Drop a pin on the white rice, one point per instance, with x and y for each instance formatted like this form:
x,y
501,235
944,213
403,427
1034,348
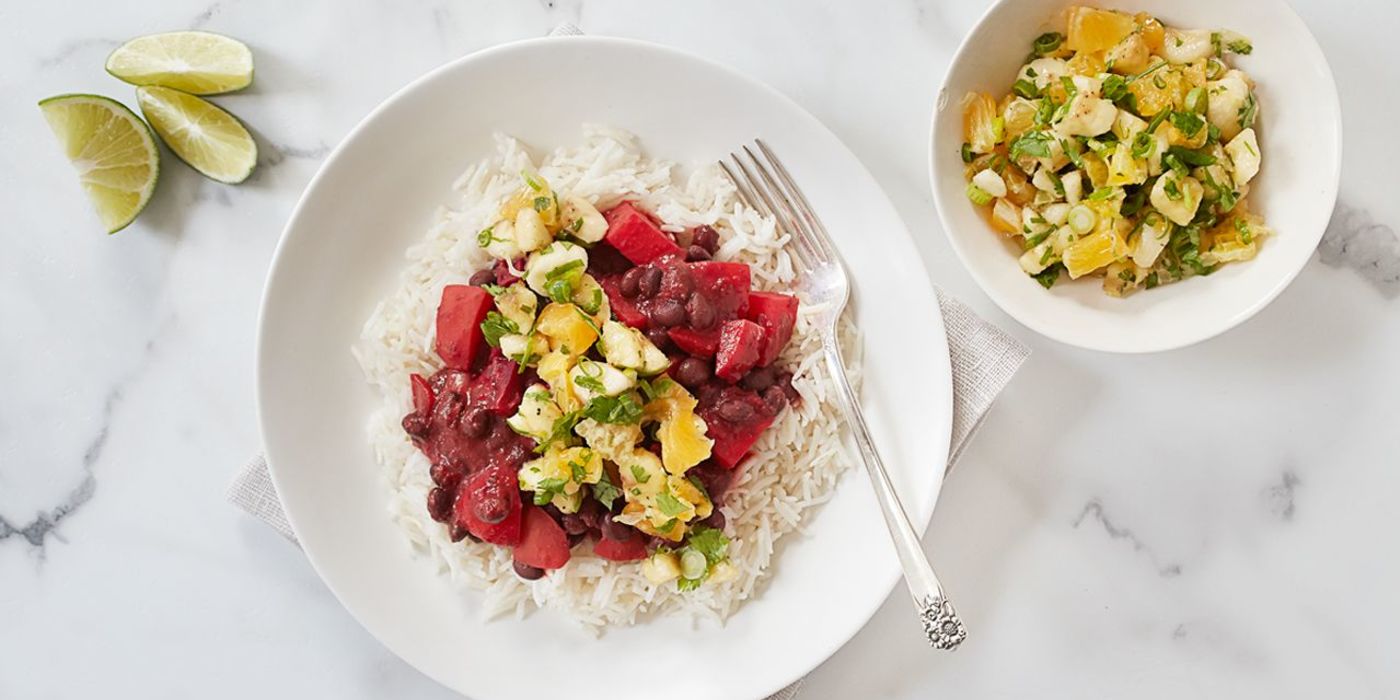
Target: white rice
x,y
796,462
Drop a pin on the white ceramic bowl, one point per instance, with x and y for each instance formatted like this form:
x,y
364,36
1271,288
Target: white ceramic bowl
x,y
1300,131
343,250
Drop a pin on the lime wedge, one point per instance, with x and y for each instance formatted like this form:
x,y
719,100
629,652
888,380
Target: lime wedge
x,y
113,150
209,139
196,62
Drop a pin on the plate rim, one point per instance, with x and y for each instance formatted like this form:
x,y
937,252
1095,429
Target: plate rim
x,y
262,350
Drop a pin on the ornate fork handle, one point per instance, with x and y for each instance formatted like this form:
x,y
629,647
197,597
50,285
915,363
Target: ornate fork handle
x,y
941,623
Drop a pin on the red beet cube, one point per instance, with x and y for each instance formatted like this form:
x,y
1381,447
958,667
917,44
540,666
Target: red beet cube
x,y
777,314
500,386
740,343
636,236
725,285
491,490
733,439
543,543
622,307
699,343
612,550
422,394
459,318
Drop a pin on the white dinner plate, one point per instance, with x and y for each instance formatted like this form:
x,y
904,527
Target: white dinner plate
x,y
343,250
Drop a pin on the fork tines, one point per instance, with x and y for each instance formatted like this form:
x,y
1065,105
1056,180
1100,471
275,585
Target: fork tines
x,y
764,184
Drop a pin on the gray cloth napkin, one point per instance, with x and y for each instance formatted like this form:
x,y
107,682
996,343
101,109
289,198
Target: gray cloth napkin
x,y
983,359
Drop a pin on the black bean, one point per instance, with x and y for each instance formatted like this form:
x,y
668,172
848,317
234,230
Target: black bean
x,y
735,410
591,512
483,278
775,398
659,337
700,312
706,237
692,372
459,533
631,282
491,509
668,312
445,476
573,524
440,504
649,283
574,539
527,572
696,253
476,422
617,531
716,519
785,381
416,425
760,379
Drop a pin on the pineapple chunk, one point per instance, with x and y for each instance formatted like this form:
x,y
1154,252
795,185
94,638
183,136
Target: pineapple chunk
x,y
613,441
530,231
1093,252
1044,72
687,491
554,369
518,304
628,348
561,474
591,379
1124,169
1186,45
1177,197
1088,116
661,567
1121,278
1244,156
500,240
536,195
537,414
557,261
590,298
581,220
683,442
1152,239
568,331
1228,104
520,347
642,475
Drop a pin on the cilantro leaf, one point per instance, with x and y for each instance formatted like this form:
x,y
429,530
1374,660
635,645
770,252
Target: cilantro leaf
x,y
621,410
496,326
605,491
670,505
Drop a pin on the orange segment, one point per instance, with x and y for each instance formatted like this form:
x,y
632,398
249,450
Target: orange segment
x,y
1092,29
1093,252
980,128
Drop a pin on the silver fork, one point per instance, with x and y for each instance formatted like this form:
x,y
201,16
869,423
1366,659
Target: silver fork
x,y
764,184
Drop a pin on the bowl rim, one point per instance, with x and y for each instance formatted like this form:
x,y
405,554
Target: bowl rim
x,y
1132,343
277,268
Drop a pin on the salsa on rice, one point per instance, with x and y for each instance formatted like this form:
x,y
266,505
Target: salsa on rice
x,y
603,381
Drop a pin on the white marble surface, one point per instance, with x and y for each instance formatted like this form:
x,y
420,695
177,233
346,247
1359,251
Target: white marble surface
x,y
1214,522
